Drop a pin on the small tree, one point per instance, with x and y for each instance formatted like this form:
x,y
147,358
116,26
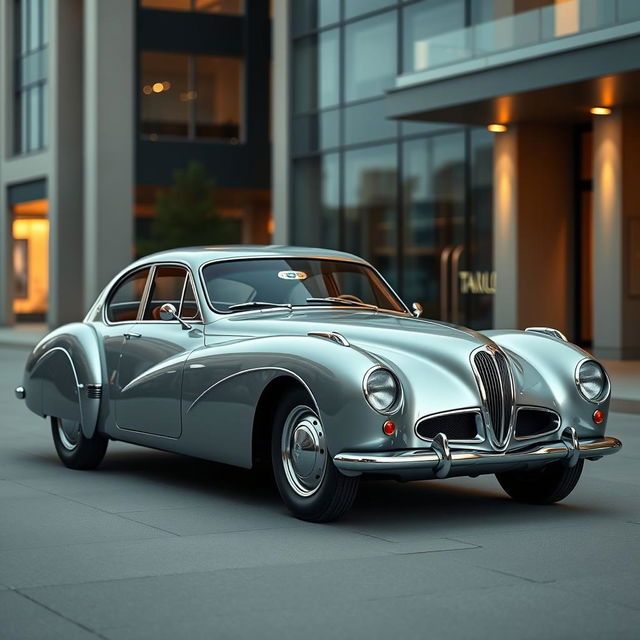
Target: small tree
x,y
186,216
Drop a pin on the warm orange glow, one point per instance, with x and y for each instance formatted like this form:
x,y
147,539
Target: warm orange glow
x,y
497,128
31,208
31,262
157,87
600,111
271,226
147,90
166,85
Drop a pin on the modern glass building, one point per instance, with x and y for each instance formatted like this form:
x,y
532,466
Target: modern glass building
x,y
100,102
479,152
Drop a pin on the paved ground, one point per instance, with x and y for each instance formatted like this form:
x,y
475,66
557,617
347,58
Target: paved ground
x,y
160,546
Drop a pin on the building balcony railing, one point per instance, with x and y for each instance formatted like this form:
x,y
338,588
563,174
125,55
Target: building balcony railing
x,y
543,25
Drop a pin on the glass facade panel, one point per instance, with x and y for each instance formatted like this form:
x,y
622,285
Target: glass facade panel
x,y
316,72
316,132
190,96
30,75
218,109
433,183
316,201
354,8
367,122
370,201
370,56
425,20
312,14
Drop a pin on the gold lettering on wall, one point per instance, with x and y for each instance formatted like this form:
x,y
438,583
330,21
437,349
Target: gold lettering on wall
x,y
477,282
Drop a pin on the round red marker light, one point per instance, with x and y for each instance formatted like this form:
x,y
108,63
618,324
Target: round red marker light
x,y
389,428
598,416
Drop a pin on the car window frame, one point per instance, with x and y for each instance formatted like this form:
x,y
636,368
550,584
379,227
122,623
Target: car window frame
x,y
363,264
146,291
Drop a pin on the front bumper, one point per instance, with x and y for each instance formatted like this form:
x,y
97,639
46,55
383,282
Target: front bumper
x,y
440,461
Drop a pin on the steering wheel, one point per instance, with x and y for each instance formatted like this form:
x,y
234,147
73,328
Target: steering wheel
x,y
350,296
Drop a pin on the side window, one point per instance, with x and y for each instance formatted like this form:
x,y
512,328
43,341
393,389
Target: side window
x,y
166,287
189,308
125,300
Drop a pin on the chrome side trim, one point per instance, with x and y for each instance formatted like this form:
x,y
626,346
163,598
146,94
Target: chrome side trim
x,y
548,331
479,438
240,373
330,335
538,435
392,462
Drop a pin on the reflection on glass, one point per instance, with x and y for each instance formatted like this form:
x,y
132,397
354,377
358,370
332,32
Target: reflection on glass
x,y
316,69
424,20
230,7
370,194
433,183
368,122
315,132
316,201
370,67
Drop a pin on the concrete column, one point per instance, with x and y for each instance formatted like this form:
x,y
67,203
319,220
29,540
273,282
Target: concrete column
x,y
616,235
281,117
533,209
6,268
65,160
109,141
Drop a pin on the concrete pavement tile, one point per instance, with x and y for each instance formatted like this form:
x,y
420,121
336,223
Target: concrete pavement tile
x,y
22,618
11,490
620,588
49,521
331,585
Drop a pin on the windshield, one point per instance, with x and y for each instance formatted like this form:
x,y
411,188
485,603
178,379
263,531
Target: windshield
x,y
238,285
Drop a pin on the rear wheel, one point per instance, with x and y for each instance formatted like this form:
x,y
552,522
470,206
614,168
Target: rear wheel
x,y
73,448
542,486
308,481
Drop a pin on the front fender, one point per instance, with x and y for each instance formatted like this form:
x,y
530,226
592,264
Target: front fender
x,y
63,376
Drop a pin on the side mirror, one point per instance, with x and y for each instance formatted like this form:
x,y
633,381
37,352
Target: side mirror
x,y
417,309
169,312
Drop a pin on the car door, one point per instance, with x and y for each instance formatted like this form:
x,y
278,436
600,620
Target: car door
x,y
154,353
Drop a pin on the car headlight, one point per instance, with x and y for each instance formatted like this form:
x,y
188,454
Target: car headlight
x,y
592,381
381,389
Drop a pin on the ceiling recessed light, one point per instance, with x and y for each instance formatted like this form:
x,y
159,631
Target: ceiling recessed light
x,y
497,128
600,111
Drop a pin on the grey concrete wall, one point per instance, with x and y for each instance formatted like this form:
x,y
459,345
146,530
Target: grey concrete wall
x,y
109,111
280,126
616,203
533,209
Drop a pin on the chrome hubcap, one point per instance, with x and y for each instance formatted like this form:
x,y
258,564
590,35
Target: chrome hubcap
x,y
304,453
69,432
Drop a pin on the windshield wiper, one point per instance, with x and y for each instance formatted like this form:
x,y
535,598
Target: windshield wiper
x,y
349,303
256,303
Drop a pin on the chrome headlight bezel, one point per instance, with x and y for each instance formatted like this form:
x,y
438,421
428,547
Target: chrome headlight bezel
x,y
605,385
369,394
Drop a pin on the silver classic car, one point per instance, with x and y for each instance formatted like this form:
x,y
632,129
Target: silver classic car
x,y
307,361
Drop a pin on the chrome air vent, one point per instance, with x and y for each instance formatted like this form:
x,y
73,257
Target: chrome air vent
x,y
94,391
496,388
532,422
463,426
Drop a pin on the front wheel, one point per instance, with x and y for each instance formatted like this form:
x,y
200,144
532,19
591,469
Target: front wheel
x,y
74,449
542,486
308,481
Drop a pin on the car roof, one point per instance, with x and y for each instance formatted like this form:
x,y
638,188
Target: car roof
x,y
196,256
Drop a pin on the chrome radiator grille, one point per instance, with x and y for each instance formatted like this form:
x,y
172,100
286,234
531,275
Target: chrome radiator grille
x,y
494,379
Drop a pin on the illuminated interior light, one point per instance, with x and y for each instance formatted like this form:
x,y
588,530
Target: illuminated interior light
x,y
166,85
157,87
147,90
497,128
600,111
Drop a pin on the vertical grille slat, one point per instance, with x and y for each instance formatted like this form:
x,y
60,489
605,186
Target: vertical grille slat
x,y
494,377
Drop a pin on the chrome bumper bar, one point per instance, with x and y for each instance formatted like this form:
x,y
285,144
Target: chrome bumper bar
x,y
442,460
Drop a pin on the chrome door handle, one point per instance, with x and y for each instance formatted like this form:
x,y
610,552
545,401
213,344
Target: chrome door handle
x,y
128,335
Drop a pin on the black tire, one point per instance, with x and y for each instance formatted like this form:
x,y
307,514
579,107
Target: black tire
x,y
310,485
542,486
74,450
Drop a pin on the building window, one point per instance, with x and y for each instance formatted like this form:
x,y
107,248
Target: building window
x,y
32,37
229,7
187,96
370,56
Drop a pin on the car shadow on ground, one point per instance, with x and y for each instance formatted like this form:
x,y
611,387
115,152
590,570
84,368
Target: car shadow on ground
x,y
430,503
